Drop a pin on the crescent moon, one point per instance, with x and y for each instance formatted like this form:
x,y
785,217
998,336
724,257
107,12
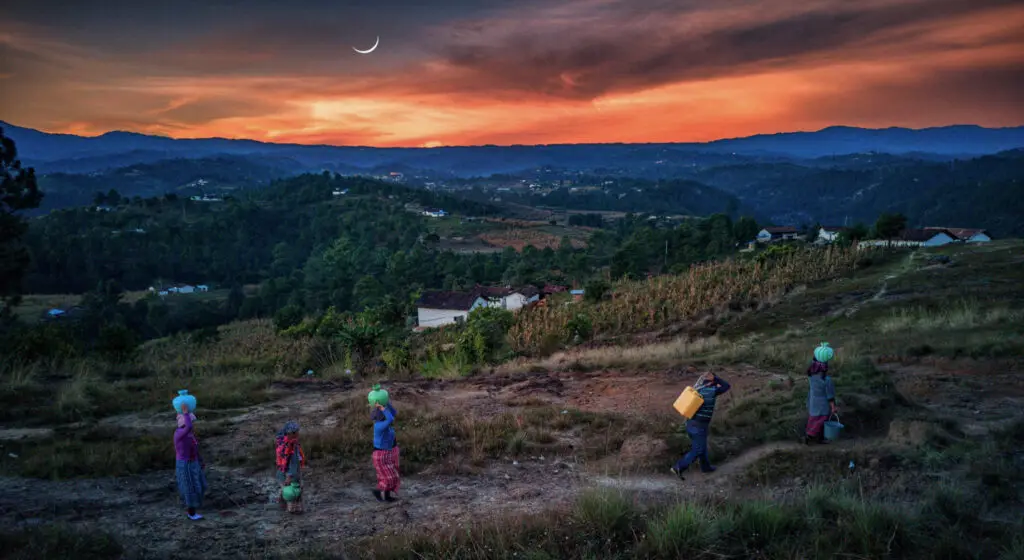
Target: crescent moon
x,y
371,49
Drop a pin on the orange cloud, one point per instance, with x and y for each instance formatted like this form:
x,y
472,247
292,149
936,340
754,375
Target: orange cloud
x,y
586,71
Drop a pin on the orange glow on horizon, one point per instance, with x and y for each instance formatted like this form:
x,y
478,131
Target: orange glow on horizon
x,y
932,77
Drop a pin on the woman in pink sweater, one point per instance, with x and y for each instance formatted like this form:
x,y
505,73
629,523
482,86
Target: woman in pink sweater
x,y
189,467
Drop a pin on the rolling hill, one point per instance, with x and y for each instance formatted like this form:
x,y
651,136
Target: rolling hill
x,y
65,152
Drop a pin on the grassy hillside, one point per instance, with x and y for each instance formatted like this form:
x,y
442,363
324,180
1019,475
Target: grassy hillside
x,y
563,453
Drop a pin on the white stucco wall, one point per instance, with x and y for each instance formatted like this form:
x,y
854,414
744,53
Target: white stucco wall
x,y
515,301
938,240
428,317
437,317
827,235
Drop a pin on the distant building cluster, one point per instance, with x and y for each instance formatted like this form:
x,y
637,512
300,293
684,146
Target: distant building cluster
x,y
437,308
931,237
917,237
179,289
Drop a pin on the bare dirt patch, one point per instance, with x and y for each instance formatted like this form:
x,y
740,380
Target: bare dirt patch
x,y
243,519
979,395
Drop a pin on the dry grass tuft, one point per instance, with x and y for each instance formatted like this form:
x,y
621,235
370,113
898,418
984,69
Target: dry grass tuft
x,y
963,314
659,354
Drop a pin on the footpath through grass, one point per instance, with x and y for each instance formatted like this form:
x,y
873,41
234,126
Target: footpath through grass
x,y
973,513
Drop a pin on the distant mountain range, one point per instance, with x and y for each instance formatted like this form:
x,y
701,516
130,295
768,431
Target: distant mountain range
x,y
79,154
959,176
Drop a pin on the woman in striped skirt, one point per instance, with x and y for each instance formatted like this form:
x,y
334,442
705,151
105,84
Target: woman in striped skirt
x,y
189,467
385,453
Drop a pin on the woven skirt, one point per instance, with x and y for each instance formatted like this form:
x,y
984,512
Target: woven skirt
x,y
191,482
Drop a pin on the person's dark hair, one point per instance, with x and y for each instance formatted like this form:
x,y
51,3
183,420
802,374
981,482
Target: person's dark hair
x,y
377,415
817,368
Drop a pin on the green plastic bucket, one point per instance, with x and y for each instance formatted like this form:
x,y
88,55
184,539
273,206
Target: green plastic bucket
x,y
832,428
291,492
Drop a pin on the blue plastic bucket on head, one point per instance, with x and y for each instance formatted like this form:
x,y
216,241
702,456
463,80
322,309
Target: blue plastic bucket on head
x,y
832,428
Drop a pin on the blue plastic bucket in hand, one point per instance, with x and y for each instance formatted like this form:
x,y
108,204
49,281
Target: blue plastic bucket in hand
x,y
832,428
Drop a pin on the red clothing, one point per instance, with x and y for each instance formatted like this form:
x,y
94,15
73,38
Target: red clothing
x,y
816,425
385,462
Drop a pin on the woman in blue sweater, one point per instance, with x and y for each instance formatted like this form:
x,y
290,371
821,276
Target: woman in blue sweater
x,y
709,386
385,453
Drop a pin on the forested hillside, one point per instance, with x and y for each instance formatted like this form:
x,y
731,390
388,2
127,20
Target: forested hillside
x,y
626,194
983,192
316,249
217,175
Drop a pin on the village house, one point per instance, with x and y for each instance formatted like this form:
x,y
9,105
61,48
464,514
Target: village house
x,y
205,198
914,238
549,289
437,308
434,213
965,235
509,298
828,234
780,233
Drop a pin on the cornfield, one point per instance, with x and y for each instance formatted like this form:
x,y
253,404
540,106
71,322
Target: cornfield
x,y
658,302
519,238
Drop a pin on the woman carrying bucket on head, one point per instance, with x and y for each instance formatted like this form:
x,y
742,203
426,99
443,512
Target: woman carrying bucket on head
x,y
821,395
189,466
385,447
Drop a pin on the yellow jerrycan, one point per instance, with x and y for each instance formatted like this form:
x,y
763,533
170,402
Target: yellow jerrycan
x,y
689,402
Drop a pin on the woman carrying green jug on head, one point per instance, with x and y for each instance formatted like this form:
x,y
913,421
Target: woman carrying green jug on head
x,y
385,446
821,395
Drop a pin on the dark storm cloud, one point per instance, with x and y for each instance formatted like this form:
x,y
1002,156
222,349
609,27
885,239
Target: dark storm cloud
x,y
589,62
990,93
449,70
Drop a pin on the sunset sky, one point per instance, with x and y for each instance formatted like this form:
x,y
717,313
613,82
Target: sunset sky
x,y
457,72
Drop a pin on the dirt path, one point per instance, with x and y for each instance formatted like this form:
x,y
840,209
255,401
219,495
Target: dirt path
x,y
243,519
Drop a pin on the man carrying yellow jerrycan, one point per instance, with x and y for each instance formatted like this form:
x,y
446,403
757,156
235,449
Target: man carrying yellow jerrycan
x,y
698,404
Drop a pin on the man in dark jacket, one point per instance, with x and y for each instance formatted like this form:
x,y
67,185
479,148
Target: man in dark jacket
x,y
709,386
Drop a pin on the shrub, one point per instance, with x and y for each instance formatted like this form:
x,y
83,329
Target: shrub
x,y
288,316
579,328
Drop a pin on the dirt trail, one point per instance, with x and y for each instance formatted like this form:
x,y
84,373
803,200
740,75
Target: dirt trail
x,y
243,520
242,517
